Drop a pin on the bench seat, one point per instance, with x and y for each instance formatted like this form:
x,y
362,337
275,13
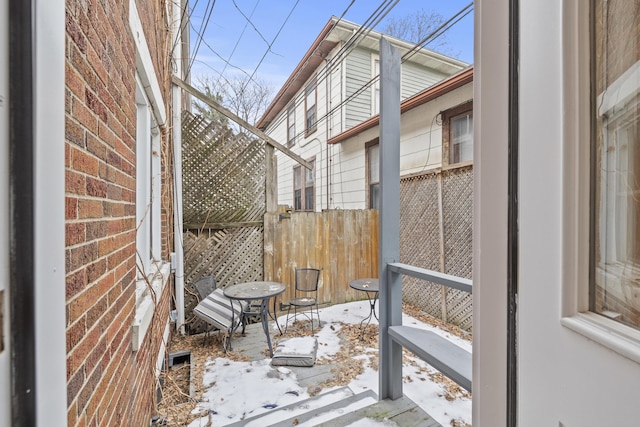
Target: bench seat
x,y
447,357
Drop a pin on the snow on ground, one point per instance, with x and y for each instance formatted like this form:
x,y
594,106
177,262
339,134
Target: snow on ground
x,y
238,390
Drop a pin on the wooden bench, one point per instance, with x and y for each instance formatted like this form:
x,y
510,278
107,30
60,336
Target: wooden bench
x,y
447,357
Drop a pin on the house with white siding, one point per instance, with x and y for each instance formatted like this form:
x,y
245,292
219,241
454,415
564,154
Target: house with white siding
x,y
335,89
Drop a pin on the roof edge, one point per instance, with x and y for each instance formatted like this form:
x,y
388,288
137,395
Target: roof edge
x,y
432,92
263,123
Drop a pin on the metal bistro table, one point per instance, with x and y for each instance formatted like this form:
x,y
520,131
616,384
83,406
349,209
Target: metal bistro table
x,y
371,288
252,291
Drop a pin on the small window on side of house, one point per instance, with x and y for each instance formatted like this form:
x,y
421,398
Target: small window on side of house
x,y
310,107
304,189
457,134
291,124
373,174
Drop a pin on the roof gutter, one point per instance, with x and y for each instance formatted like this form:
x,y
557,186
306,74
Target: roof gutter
x,y
454,82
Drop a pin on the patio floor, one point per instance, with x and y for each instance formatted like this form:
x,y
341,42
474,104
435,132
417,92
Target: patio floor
x,y
355,359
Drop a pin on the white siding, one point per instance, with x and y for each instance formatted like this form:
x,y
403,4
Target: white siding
x,y
358,74
416,78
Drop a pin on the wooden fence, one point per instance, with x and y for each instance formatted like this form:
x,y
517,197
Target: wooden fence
x,y
343,243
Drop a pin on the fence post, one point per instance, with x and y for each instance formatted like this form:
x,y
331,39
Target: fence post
x,y
390,362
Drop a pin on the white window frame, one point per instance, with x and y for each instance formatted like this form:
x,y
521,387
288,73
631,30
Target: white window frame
x,y
152,273
375,87
576,316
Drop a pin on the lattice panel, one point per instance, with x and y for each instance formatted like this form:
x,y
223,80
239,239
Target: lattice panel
x,y
458,214
231,256
424,221
419,239
223,173
458,240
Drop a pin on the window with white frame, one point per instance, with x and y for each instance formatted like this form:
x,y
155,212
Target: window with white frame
x,y
373,174
147,186
304,188
310,107
457,134
375,88
291,124
615,152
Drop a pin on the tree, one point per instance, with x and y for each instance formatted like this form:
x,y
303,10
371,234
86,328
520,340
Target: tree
x,y
415,26
248,99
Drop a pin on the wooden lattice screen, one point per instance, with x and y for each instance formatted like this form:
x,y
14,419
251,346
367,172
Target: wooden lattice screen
x,y
436,233
224,204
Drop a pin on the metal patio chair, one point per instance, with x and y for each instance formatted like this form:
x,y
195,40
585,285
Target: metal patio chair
x,y
305,294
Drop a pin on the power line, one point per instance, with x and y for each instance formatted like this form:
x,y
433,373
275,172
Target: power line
x,y
271,44
203,27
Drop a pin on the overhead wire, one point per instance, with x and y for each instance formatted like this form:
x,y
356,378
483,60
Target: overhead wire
x,y
423,42
235,46
203,26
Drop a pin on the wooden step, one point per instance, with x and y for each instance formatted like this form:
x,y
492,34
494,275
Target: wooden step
x,y
403,411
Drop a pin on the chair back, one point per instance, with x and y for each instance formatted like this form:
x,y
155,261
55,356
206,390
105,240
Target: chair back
x,y
307,279
205,286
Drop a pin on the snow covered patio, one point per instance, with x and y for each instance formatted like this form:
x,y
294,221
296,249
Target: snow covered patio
x,y
241,384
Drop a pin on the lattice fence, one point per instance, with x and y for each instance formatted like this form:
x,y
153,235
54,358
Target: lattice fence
x,y
435,233
224,206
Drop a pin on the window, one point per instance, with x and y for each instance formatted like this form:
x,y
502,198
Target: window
x,y
304,190
615,172
457,134
291,124
147,185
373,174
310,107
375,97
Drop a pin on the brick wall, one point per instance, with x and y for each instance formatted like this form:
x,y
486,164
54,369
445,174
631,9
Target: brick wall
x,y
107,383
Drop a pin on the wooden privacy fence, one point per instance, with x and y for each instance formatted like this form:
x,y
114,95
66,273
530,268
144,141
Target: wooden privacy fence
x,y
343,243
436,211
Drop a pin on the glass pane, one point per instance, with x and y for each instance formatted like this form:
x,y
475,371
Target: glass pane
x,y
374,196
309,199
309,174
462,138
296,178
297,200
615,289
374,164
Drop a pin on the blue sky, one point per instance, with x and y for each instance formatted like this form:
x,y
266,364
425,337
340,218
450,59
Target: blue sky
x,y
291,31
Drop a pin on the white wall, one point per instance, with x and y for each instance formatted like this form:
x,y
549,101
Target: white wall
x,y
563,376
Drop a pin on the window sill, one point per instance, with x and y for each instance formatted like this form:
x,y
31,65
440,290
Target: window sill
x,y
146,304
619,338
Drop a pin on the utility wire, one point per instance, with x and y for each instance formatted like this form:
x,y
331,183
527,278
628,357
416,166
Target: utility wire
x,y
203,27
270,44
239,38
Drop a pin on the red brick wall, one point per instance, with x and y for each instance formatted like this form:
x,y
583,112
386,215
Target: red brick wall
x,y
108,384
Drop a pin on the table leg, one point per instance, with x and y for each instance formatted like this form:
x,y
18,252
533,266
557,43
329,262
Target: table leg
x,y
264,310
372,313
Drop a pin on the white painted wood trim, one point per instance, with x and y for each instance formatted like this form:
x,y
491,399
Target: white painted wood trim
x,y
50,318
146,306
144,66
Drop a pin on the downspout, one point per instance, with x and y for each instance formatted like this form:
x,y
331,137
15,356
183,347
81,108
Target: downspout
x,y
327,127
177,173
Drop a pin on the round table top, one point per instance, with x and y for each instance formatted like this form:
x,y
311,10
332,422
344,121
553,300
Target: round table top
x,y
367,285
254,290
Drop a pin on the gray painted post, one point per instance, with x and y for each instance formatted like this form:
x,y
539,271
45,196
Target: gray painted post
x,y
390,298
